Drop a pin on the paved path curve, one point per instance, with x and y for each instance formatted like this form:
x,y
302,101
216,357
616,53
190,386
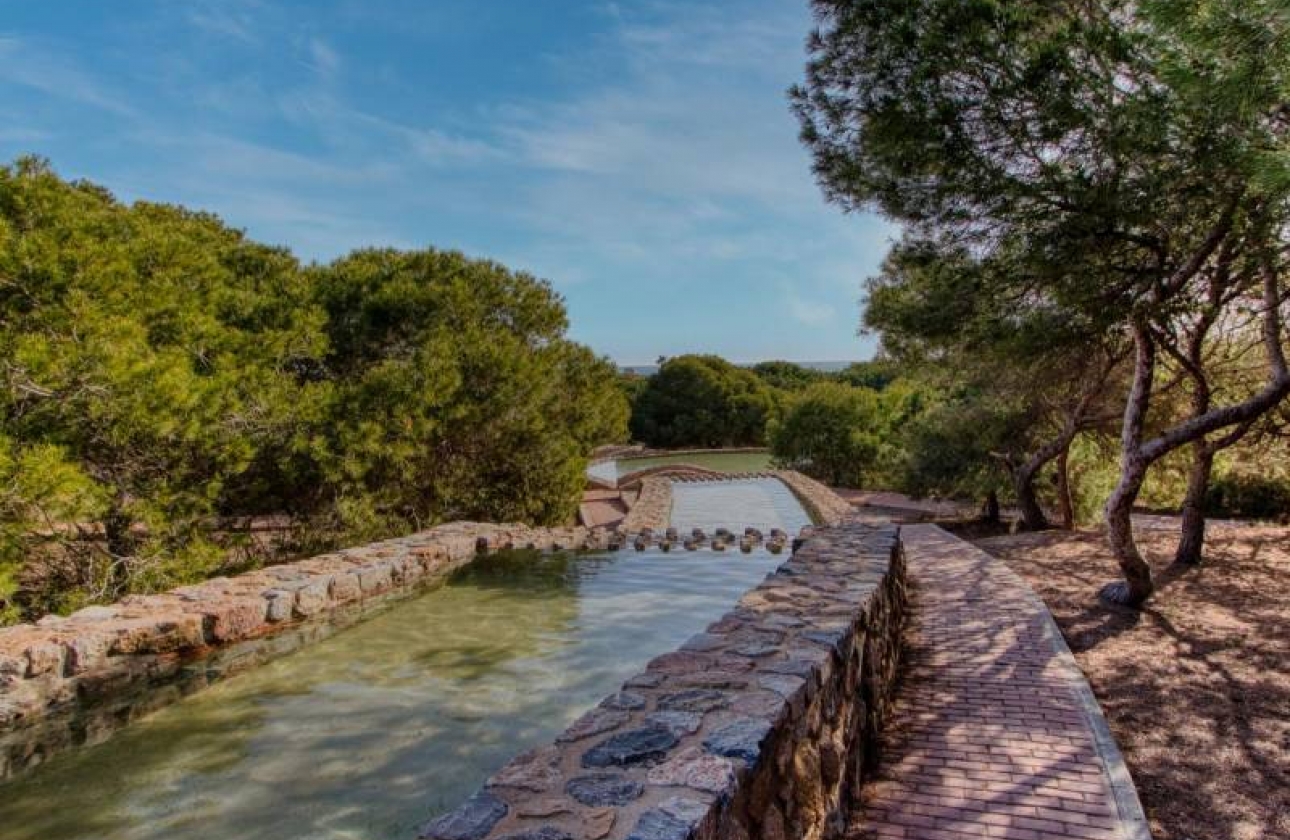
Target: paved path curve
x,y
996,733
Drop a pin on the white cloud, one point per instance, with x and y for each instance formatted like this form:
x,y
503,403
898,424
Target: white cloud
x,y
43,70
323,58
809,312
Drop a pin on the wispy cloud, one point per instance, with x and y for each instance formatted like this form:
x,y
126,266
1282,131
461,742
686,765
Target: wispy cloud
x,y
227,18
51,74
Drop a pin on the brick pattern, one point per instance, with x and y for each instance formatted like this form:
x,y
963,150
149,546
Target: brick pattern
x,y
990,736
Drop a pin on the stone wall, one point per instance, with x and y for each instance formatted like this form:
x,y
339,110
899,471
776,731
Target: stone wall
x,y
71,681
824,506
760,727
652,509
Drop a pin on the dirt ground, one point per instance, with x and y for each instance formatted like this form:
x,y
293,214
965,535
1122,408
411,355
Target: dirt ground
x,y
1197,685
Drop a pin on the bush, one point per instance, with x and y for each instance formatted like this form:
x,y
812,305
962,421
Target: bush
x,y
840,434
163,372
1248,496
702,401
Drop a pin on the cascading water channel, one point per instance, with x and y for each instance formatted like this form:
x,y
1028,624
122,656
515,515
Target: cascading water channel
x,y
372,731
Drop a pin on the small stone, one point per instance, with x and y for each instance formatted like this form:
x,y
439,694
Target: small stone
x,y
599,823
782,684
604,789
624,700
790,667
471,821
542,808
695,700
693,768
594,722
658,825
645,681
741,739
546,832
684,809
703,642
536,770
277,605
828,638
755,650
636,746
679,723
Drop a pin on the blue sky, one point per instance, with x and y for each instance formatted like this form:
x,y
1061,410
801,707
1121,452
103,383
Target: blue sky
x,y
640,155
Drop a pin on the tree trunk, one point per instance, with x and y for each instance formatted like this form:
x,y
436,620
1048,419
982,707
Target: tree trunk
x,y
122,544
1191,540
1137,585
990,510
1064,501
1032,513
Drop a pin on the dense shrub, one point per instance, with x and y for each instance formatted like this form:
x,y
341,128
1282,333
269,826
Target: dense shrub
x,y
1249,496
161,373
702,401
840,434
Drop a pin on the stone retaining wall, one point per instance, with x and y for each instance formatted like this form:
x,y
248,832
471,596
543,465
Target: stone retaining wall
x,y
70,681
824,506
652,509
760,727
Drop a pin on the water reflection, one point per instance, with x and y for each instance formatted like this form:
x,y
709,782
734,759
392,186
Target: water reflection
x,y
370,732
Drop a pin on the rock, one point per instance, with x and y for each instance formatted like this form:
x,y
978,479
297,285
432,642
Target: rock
x,y
684,809
536,770
604,789
693,768
695,700
623,701
599,823
311,598
44,658
755,650
546,832
782,684
636,746
231,619
658,825
277,605
543,808
645,681
345,588
594,722
679,723
741,739
704,642
471,821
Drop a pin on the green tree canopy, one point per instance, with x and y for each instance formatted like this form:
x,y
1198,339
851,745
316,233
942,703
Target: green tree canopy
x,y
841,434
702,401
160,373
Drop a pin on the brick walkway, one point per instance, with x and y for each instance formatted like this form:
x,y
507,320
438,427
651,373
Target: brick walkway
x,y
995,733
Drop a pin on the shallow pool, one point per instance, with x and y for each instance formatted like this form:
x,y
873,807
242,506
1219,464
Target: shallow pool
x,y
371,732
721,461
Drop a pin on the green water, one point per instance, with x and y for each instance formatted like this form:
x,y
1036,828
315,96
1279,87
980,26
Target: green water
x,y
371,732
721,461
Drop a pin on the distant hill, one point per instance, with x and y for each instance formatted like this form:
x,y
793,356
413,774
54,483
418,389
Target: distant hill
x,y
827,367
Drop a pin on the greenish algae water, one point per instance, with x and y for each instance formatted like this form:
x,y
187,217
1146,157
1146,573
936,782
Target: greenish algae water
x,y
732,462
369,733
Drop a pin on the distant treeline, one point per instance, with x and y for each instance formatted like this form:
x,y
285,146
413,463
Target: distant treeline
x,y
165,383
923,428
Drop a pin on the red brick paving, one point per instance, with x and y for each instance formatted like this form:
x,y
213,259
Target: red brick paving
x,y
991,736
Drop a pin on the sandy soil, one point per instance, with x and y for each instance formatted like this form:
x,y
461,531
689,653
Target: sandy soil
x,y
1197,685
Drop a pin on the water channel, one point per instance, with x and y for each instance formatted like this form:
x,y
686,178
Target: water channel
x,y
372,731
